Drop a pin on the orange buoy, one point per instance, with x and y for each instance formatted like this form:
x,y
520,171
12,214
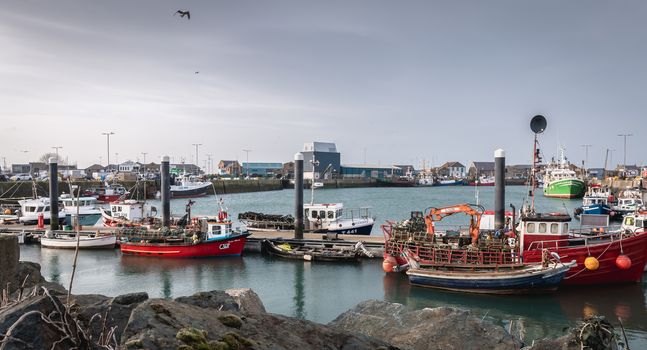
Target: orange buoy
x,y
389,263
623,262
591,263
7,212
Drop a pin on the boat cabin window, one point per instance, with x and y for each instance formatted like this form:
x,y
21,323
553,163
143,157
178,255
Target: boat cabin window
x,y
530,227
307,212
322,214
331,214
314,214
30,209
339,211
47,208
554,227
565,228
542,227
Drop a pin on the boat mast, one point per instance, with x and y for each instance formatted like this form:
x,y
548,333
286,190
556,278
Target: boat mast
x,y
537,125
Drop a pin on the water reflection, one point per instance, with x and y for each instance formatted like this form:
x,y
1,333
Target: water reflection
x,y
541,315
299,291
55,269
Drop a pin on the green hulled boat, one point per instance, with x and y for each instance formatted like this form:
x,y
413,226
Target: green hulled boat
x,y
562,182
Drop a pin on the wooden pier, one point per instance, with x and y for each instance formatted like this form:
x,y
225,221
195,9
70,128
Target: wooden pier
x,y
374,244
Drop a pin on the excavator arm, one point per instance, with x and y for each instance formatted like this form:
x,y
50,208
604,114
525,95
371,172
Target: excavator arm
x,y
474,211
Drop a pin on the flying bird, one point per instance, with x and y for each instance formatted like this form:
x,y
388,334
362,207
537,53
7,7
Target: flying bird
x,y
183,13
196,72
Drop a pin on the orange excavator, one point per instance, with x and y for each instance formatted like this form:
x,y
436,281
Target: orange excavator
x,y
474,211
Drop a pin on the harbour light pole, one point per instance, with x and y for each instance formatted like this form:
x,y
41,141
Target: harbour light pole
x,y
108,142
247,162
586,156
624,166
197,162
57,148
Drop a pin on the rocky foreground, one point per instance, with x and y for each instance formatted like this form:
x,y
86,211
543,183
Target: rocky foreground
x,y
38,316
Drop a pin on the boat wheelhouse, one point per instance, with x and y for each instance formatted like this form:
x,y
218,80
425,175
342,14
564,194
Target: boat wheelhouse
x,y
30,209
86,208
596,201
635,222
123,213
629,201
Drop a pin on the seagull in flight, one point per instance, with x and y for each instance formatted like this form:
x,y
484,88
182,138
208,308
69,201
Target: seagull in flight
x,y
183,13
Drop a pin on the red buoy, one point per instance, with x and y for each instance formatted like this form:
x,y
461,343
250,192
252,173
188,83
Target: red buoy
x,y
389,263
623,262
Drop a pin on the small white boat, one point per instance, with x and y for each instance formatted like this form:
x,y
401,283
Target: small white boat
x,y
86,241
30,209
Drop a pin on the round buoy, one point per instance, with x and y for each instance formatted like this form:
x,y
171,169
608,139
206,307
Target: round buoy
x,y
623,262
591,263
389,263
7,212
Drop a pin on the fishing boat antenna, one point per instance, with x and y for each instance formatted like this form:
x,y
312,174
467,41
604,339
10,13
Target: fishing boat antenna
x,y
312,181
537,125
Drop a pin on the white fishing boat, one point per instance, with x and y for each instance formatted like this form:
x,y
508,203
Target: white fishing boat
x,y
125,213
31,209
629,201
86,207
64,240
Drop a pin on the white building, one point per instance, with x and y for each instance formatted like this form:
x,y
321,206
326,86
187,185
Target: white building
x,y
129,167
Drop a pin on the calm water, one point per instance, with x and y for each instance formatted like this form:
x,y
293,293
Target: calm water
x,y
319,292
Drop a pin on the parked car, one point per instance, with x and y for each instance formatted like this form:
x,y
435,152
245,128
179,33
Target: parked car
x,y
21,177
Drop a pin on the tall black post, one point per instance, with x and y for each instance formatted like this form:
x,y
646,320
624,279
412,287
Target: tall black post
x,y
499,189
298,197
166,191
53,193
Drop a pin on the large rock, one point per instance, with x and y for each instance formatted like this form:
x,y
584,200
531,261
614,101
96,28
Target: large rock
x,y
102,315
248,301
215,299
9,257
25,328
439,328
165,324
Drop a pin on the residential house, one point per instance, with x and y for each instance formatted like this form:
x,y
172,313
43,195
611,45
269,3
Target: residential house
x,y
482,169
454,170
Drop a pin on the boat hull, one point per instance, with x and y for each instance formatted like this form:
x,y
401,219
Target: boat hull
x,y
101,242
108,198
268,247
358,229
230,246
190,193
606,252
567,188
598,209
529,279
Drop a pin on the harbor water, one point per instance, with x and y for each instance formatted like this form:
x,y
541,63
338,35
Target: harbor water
x,y
321,291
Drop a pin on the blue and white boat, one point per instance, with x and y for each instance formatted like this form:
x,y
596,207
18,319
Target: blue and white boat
x,y
595,201
515,279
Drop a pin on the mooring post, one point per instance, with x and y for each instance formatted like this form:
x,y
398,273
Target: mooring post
x,y
298,197
165,183
53,193
499,189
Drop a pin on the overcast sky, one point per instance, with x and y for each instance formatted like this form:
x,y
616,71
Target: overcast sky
x,y
387,81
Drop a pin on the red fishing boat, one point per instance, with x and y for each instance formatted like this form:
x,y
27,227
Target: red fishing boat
x,y
204,237
603,258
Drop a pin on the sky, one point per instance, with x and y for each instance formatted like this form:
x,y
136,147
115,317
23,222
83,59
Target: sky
x,y
388,81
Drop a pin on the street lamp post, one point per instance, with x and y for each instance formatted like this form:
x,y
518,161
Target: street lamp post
x,y
57,148
586,156
247,162
624,166
108,143
197,162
